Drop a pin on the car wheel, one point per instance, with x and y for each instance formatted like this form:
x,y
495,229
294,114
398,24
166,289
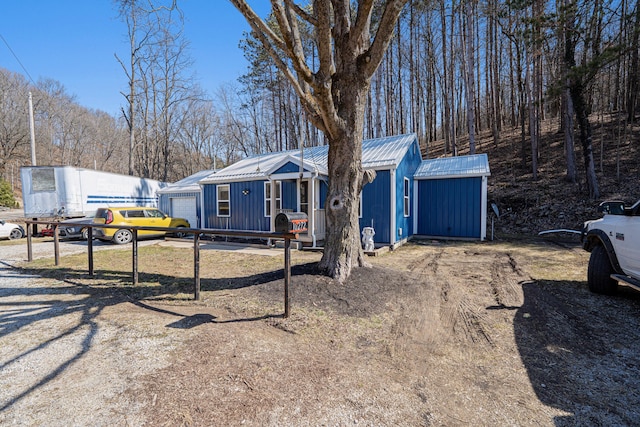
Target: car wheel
x,y
122,236
180,234
85,234
15,234
599,272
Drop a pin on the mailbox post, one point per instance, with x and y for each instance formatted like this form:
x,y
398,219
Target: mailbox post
x,y
289,222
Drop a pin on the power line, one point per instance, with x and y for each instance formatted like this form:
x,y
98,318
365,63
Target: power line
x,y
18,59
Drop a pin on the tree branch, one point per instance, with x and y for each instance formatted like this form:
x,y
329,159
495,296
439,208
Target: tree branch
x,y
271,42
360,33
384,33
257,24
301,12
291,35
323,35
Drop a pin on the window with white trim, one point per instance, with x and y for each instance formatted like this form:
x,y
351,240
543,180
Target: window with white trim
x,y
407,202
224,200
267,197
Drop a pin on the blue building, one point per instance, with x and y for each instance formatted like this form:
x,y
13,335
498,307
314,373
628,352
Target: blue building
x,y
250,193
183,198
451,196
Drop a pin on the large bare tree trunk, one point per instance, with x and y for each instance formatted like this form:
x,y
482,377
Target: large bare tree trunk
x,y
586,139
569,144
634,74
445,80
533,122
343,250
576,87
334,94
130,14
469,73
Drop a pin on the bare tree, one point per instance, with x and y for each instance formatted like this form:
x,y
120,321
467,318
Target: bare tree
x,y
131,14
14,127
470,92
334,95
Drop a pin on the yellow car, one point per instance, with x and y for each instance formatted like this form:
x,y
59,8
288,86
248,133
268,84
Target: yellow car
x,y
137,216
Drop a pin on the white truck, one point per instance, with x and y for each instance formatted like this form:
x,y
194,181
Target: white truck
x,y
70,192
614,243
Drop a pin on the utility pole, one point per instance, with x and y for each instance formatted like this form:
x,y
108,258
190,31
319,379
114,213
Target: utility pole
x,y
33,132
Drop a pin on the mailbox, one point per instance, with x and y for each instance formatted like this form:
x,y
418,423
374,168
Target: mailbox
x,y
291,222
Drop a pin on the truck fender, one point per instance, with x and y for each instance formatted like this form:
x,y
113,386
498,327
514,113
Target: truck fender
x,y
599,237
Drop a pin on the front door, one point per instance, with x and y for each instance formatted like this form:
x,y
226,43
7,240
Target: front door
x,y
304,197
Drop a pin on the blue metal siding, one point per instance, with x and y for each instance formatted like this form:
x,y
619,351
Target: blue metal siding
x,y
450,207
247,211
376,197
289,167
164,203
289,195
406,169
324,189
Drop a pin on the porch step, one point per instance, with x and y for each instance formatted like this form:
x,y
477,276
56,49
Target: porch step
x,y
294,244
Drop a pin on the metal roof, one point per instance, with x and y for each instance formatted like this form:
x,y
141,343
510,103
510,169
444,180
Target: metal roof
x,y
387,151
376,153
454,167
186,185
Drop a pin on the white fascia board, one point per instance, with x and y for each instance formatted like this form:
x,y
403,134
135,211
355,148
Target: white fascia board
x,y
222,180
474,175
291,175
381,166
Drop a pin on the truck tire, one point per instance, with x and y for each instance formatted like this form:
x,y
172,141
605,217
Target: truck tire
x,y
122,237
599,273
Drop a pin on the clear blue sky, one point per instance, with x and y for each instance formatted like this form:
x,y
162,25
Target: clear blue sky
x,y
74,42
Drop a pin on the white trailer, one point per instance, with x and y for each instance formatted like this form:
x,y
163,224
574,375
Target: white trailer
x,y
69,192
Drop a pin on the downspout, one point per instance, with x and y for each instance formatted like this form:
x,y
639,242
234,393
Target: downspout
x,y
272,214
392,223
298,184
312,204
202,223
415,206
483,208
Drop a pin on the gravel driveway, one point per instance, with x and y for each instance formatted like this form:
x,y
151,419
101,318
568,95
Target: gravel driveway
x,y
68,352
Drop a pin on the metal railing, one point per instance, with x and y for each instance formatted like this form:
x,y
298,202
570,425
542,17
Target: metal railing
x,y
197,233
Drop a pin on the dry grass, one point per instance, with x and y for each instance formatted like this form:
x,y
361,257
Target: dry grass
x,y
435,334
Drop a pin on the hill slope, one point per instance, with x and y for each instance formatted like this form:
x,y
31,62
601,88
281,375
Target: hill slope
x,y
550,202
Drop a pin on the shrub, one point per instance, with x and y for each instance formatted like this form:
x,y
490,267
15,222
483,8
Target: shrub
x,y
6,194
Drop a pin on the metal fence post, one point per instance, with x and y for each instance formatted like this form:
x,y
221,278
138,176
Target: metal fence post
x,y
287,274
29,244
196,266
56,244
90,250
134,241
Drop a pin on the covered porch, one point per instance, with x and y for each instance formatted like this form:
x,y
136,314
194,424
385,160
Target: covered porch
x,y
298,192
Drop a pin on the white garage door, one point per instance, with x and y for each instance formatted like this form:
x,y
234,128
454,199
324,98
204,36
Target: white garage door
x,y
185,207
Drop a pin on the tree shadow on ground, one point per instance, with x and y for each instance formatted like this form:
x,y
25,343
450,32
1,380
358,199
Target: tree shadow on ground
x,y
581,351
24,306
152,284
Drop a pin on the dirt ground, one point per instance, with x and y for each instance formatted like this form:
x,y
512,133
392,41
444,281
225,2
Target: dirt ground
x,y
435,334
